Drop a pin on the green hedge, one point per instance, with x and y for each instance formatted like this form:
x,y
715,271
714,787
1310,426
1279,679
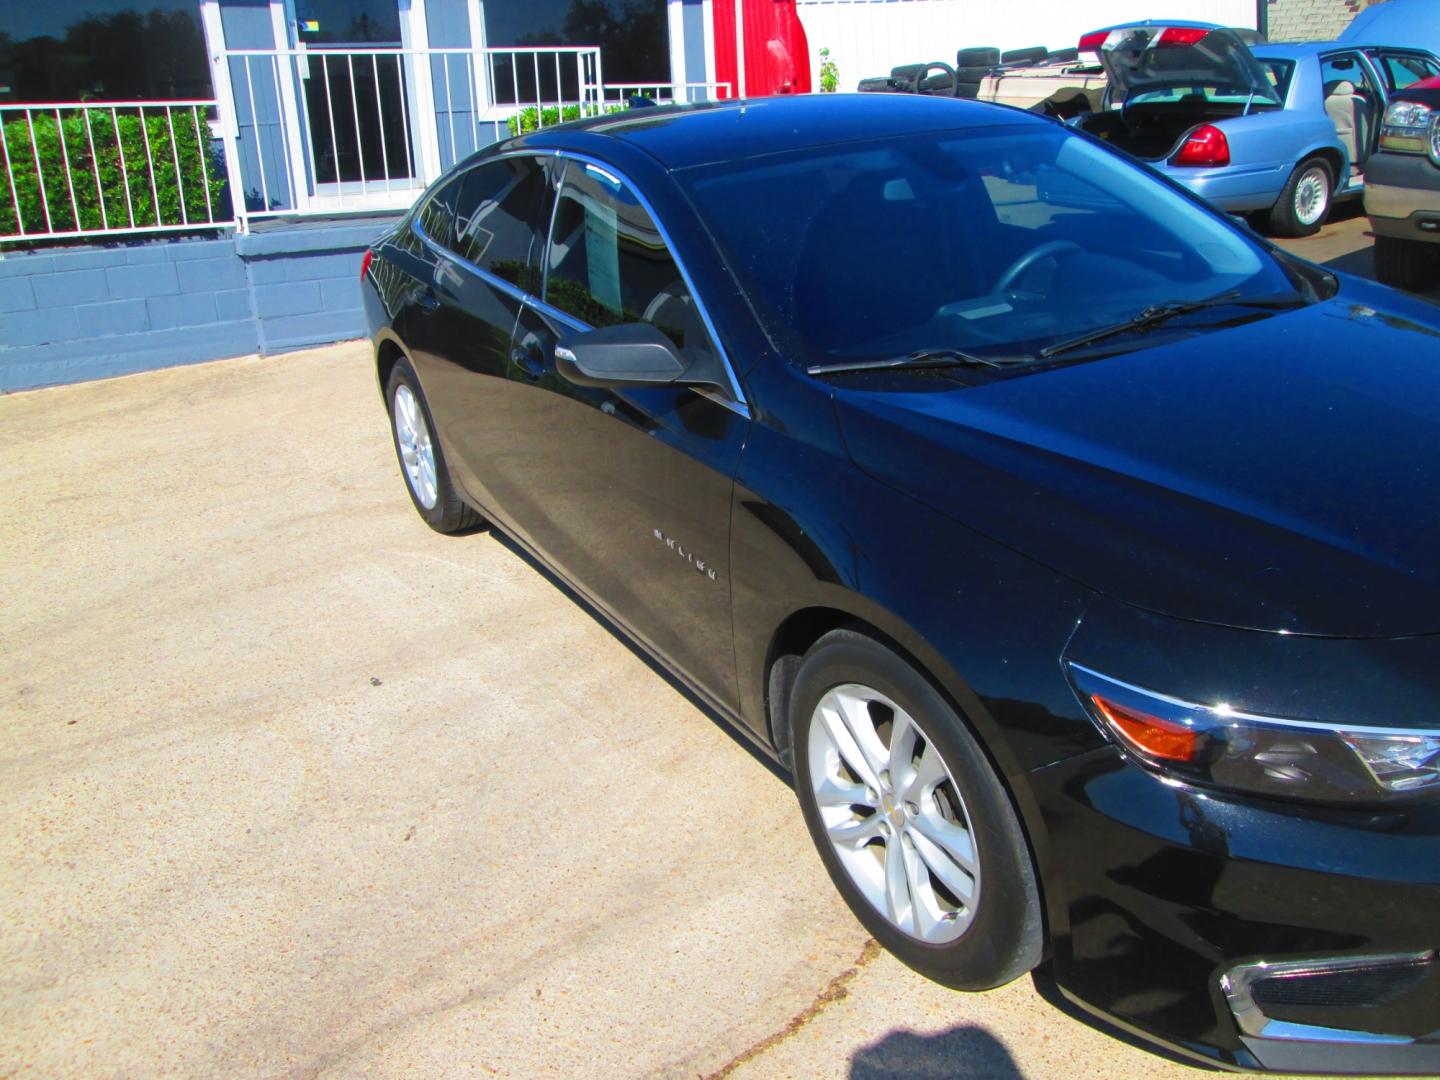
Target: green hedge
x,y
526,120
83,129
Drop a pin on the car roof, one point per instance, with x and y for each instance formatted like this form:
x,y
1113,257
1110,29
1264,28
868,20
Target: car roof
x,y
1291,50
681,136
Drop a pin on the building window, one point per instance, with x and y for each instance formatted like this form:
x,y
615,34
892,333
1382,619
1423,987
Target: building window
x,y
103,50
632,34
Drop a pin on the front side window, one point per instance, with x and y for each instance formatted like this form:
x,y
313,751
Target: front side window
x,y
1406,69
995,241
498,216
608,263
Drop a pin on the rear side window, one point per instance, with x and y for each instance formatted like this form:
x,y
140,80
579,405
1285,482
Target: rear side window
x,y
1341,68
609,263
436,216
498,216
1279,73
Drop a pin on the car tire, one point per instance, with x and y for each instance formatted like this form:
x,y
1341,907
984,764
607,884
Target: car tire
x,y
904,838
1407,264
1305,202
422,462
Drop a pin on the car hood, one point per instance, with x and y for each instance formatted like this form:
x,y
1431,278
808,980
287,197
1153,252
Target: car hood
x,y
1157,55
1280,475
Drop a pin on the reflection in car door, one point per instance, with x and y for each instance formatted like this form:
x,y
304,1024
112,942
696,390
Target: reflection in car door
x,y
486,263
626,491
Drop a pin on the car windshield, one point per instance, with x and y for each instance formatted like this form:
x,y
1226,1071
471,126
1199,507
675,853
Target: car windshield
x,y
997,241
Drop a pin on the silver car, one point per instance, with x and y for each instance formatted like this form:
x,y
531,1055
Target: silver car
x,y
1279,132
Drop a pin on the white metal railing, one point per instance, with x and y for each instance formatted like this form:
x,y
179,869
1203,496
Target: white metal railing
x,y
666,93
317,130
79,169
304,131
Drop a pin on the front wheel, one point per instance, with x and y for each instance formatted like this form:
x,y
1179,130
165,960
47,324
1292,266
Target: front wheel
x,y
421,460
1407,264
911,821
1304,203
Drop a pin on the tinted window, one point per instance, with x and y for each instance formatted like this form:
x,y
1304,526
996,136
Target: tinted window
x,y
436,216
497,218
609,264
997,241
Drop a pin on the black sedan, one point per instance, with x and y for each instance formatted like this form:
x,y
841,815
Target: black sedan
x,y
1074,548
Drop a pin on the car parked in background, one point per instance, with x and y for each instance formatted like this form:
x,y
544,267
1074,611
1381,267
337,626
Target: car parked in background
x,y
1278,132
1088,589
1402,195
1025,78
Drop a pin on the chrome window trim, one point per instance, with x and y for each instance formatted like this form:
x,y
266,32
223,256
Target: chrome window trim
x,y
735,401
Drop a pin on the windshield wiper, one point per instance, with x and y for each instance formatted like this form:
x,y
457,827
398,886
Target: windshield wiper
x,y
1159,313
921,358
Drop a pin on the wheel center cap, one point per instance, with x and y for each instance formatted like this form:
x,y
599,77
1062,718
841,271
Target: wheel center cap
x,y
893,811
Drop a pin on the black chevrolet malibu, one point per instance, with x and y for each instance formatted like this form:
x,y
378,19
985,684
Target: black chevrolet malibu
x,y
1077,551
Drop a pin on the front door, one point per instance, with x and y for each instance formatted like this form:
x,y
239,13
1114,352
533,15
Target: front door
x,y
356,101
626,491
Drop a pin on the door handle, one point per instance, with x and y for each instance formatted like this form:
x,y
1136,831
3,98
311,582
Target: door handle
x,y
427,301
530,359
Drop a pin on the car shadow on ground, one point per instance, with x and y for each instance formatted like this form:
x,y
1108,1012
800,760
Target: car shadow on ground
x,y
720,721
960,1053
1043,979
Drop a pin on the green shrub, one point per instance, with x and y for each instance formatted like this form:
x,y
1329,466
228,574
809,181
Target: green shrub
x,y
829,73
525,121
84,129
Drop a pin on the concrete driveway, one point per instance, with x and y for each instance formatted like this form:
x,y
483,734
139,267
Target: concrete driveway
x,y
295,787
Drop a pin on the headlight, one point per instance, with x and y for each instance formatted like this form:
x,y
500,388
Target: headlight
x,y
1264,755
1408,128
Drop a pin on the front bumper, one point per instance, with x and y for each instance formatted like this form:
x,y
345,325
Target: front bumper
x,y
1169,889
1402,196
1163,895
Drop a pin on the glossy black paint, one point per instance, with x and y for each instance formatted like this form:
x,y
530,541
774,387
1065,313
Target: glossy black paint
x,y
1157,514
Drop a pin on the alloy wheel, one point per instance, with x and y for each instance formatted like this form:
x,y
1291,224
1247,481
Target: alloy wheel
x,y
1312,196
417,453
893,813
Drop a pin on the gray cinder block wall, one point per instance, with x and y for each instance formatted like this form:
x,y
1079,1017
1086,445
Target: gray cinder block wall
x,y
70,314
1312,20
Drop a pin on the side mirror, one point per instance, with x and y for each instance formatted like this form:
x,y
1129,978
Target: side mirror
x,y
627,355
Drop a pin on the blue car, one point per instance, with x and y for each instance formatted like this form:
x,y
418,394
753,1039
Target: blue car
x,y
1279,132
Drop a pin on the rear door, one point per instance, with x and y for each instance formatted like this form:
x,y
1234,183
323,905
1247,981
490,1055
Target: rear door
x,y
482,273
1355,103
627,491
